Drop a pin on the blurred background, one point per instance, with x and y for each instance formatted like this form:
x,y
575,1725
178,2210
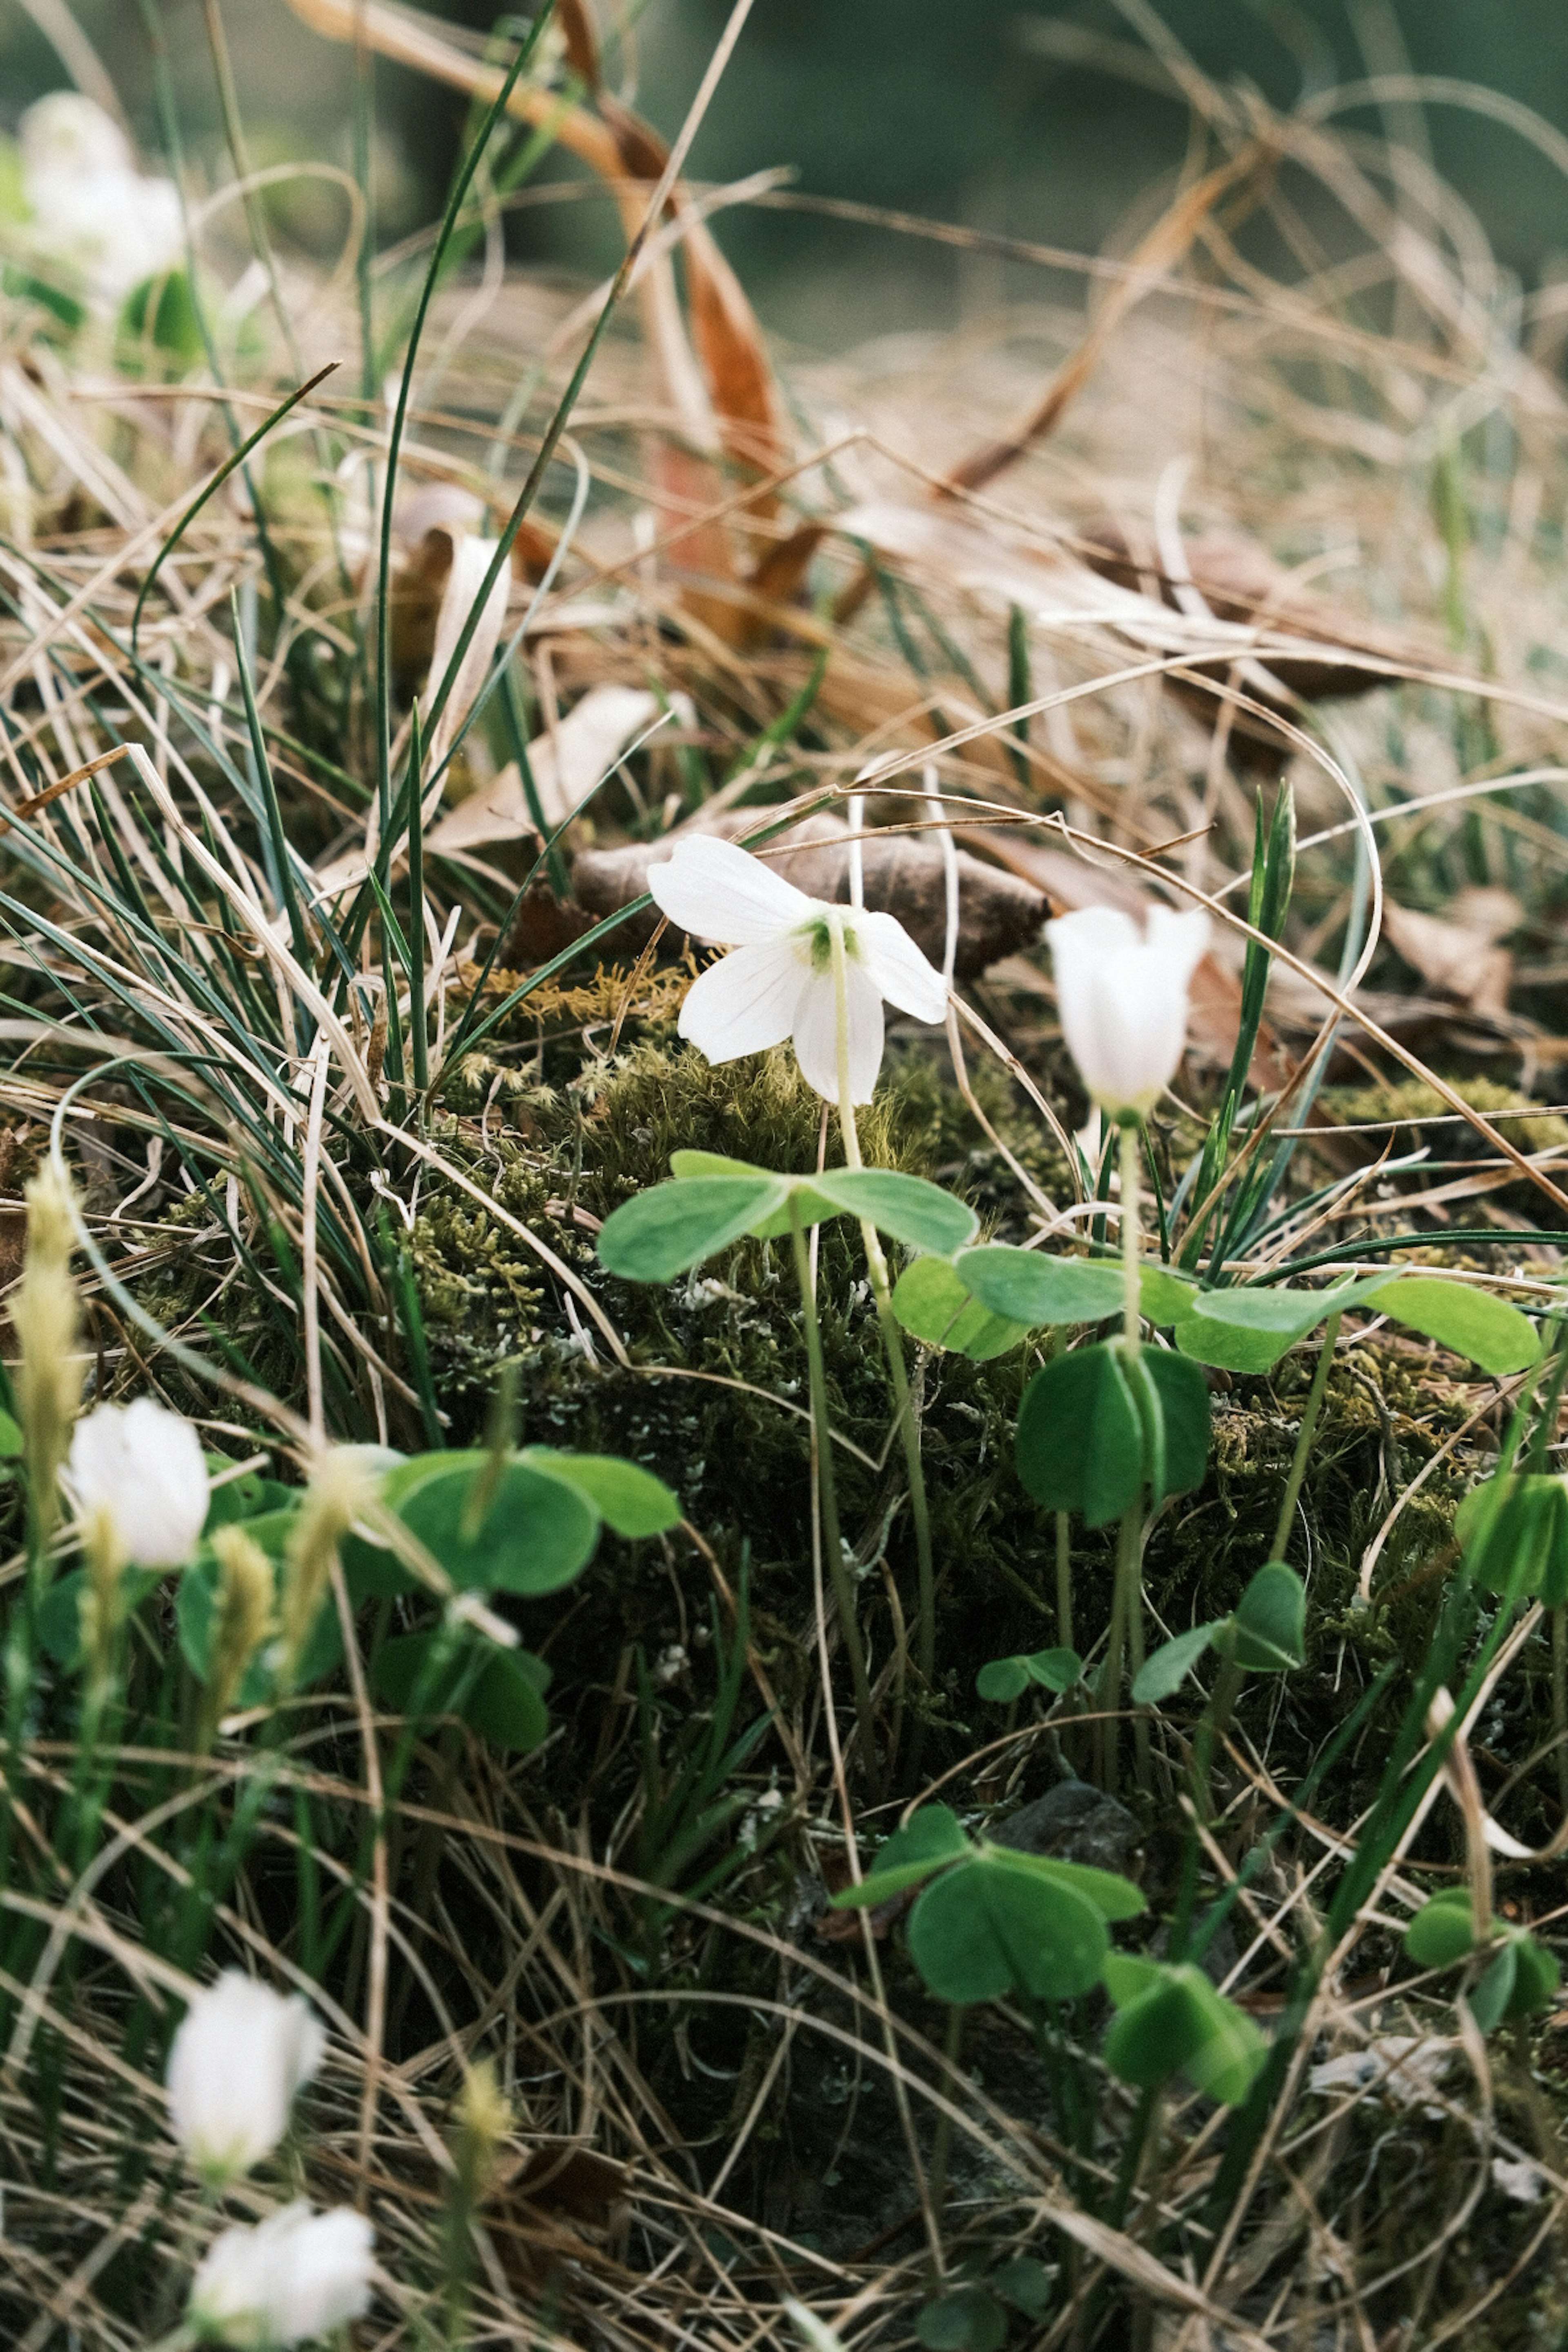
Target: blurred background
x,y
1056,125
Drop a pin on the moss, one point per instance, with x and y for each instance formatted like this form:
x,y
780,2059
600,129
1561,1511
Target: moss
x,y
579,1103
1407,1105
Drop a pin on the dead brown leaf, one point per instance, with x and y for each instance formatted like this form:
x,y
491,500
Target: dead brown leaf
x,y
1457,951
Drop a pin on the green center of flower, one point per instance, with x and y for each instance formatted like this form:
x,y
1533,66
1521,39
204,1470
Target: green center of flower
x,y
817,932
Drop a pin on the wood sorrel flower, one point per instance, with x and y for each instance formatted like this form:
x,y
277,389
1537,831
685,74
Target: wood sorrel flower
x,y
293,2278
780,983
141,1468
92,212
1123,995
240,2054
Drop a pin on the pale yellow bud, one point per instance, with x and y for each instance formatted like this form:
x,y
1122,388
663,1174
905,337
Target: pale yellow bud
x,y
44,1314
241,1622
342,1487
484,2120
103,1599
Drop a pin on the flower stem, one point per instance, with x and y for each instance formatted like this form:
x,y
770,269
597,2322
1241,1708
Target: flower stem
x,y
827,1503
1213,1724
892,1345
1312,1407
1132,1297
1126,1632
1125,1601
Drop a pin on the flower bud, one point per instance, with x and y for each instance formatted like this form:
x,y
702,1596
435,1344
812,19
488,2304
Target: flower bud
x,y
142,1468
1121,992
241,2053
241,1622
292,2278
484,2118
103,1599
343,1484
45,1317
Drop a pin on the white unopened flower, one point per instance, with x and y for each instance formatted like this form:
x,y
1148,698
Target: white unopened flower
x,y
293,2278
240,2054
1121,992
91,210
779,982
142,1468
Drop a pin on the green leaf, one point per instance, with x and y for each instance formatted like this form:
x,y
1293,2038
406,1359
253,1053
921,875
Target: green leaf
x,y
245,1498
1025,2283
1166,1668
1171,2019
1165,1295
1002,1680
930,1840
1271,1620
538,1532
966,2320
932,1304
59,1612
1249,1330
1513,1531
1519,1982
810,1206
10,1438
1114,1897
1184,1399
1458,1315
661,1233
1490,1998
1536,1978
1078,1444
1443,1930
1081,1444
921,1215
1006,1679
627,1498
987,1929
1028,1288
503,1701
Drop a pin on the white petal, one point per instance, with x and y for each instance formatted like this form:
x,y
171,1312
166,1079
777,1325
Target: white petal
x,y
746,1001
1122,996
1180,941
144,1466
717,890
898,967
817,1034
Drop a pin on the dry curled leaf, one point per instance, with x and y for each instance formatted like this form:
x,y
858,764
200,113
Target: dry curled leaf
x,y
1240,584
1457,951
566,762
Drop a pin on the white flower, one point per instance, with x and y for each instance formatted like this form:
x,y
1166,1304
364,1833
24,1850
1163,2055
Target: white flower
x,y
240,2054
1123,995
293,2278
779,982
92,211
144,1466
